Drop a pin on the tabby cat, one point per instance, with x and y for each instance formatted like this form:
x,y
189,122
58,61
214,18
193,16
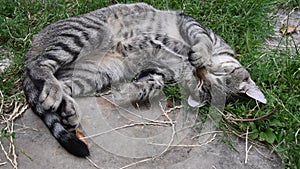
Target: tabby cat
x,y
170,62
131,43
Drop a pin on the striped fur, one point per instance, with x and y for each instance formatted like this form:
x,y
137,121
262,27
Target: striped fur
x,y
86,54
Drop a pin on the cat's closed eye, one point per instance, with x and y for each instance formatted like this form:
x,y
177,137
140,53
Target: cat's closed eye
x,y
246,79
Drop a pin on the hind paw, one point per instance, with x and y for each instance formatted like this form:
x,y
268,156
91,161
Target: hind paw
x,y
51,96
68,112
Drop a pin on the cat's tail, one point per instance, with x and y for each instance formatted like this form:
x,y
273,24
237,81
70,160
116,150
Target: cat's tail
x,y
67,139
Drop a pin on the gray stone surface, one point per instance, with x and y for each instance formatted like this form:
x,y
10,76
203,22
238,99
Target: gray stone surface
x,y
43,151
290,42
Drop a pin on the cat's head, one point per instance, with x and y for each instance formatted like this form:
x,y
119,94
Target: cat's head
x,y
228,76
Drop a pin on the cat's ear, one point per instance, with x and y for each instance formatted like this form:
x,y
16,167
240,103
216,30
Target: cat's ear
x,y
121,49
256,94
252,91
193,102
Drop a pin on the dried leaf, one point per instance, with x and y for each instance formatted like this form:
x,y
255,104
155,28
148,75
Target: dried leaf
x,y
170,103
80,135
287,29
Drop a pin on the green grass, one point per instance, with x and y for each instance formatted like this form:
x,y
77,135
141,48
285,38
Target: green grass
x,y
243,25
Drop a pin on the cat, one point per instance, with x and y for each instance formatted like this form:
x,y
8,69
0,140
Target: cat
x,y
86,54
225,73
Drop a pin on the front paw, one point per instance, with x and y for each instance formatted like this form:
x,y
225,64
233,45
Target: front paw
x,y
200,57
51,96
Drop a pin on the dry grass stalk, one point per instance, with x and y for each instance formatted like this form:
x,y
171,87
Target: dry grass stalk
x,y
8,121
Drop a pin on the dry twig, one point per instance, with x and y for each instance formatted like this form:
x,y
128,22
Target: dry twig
x,y
7,156
296,134
246,147
209,132
259,152
135,163
170,142
2,101
173,130
8,121
168,145
252,120
125,126
1,164
93,163
188,145
132,113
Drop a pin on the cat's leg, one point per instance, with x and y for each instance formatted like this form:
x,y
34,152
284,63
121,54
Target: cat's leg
x,y
39,73
82,81
199,38
148,87
66,109
46,85
53,120
141,90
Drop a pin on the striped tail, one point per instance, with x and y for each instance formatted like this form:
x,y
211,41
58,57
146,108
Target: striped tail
x,y
67,139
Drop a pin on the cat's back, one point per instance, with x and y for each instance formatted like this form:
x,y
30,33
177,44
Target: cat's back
x,y
129,20
102,27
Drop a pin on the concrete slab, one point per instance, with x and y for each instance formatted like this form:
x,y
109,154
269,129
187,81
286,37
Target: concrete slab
x,y
36,148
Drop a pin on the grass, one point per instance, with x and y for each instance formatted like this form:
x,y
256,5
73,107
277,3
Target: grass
x,y
244,25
